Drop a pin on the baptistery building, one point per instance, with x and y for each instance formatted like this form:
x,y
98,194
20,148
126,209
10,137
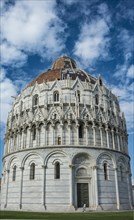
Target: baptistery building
x,y
66,145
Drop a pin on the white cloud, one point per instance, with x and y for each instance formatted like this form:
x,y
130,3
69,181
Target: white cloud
x,y
7,89
130,72
128,108
31,27
11,55
93,41
2,74
125,40
70,2
126,98
104,12
124,71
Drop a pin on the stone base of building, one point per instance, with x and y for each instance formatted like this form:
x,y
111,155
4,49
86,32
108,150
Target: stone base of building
x,y
63,208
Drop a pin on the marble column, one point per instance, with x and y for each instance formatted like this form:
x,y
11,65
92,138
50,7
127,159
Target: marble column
x,y
113,141
14,147
121,147
30,137
44,186
37,136
117,189
45,134
86,133
61,125
96,186
6,146
71,184
8,171
77,133
101,136
69,126
9,144
107,136
53,132
22,139
129,184
94,134
21,186
123,143
118,141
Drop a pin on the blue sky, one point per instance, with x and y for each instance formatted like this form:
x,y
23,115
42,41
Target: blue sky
x,y
97,34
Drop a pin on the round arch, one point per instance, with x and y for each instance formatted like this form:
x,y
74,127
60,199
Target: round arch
x,y
28,155
55,152
107,154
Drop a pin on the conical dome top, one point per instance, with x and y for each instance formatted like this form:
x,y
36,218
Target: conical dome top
x,y
63,68
64,62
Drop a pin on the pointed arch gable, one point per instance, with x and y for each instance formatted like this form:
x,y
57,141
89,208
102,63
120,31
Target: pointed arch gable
x,y
77,82
56,85
86,111
35,89
38,115
52,112
68,111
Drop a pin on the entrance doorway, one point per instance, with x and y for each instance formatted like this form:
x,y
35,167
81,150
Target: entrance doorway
x,y
82,195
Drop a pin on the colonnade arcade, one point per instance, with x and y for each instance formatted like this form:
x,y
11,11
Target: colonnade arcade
x,y
69,132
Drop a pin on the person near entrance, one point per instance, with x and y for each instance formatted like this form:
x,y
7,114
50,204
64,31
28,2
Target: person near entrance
x,y
84,207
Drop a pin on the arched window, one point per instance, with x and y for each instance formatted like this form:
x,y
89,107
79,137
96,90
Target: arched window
x,y
105,171
56,96
57,170
34,132
96,99
78,95
32,171
59,140
14,173
100,82
81,131
35,100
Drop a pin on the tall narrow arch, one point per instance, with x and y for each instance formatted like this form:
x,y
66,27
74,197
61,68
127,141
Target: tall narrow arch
x,y
57,170
81,131
14,173
105,168
96,99
78,95
32,171
34,132
56,96
35,100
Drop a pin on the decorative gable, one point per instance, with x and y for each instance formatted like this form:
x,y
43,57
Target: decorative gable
x,y
53,114
85,114
69,113
38,115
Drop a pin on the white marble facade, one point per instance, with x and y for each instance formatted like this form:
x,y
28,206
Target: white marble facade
x,y
66,145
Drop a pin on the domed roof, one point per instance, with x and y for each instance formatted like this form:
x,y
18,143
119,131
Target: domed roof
x,y
64,62
63,68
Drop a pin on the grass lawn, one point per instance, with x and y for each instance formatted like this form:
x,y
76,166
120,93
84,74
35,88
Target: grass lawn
x,y
68,216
